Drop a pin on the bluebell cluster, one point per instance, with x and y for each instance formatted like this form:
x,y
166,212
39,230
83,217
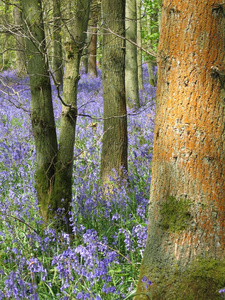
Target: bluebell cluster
x,y
100,260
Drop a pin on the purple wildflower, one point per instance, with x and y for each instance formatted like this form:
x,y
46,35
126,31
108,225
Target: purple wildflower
x,y
148,282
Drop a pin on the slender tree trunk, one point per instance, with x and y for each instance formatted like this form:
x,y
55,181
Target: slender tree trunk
x,y
150,72
57,63
184,256
131,70
54,166
20,44
139,42
42,116
92,67
7,43
47,8
85,57
114,148
150,62
78,12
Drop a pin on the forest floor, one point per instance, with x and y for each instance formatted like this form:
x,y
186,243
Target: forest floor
x,y
109,230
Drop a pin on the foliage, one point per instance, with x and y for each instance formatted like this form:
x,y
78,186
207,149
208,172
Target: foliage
x,y
100,259
150,23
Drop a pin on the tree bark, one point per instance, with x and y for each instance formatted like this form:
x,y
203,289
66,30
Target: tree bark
x,y
78,13
47,8
42,116
139,42
21,69
184,255
7,42
54,165
114,148
57,63
150,63
92,49
131,70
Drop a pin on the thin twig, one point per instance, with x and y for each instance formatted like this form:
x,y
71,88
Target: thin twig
x,y
117,251
115,117
21,221
152,53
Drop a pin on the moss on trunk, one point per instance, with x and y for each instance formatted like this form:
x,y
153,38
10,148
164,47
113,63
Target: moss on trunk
x,y
200,280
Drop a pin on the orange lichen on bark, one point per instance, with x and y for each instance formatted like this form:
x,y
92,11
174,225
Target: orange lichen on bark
x,y
190,112
189,142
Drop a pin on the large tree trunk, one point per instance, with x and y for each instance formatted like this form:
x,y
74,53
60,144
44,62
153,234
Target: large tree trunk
x,y
184,256
20,44
57,63
42,116
114,148
78,12
131,70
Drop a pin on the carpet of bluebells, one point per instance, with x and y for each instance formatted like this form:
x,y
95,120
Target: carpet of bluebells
x,y
102,258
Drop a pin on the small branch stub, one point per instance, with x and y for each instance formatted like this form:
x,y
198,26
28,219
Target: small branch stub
x,y
217,72
219,9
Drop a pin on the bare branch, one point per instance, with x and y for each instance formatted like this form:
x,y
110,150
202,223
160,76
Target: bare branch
x,y
13,93
152,53
21,221
135,113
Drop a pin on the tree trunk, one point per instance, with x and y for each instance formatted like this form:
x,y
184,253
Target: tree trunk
x,y
47,8
184,255
150,62
139,42
114,148
78,13
92,68
20,44
85,58
42,116
54,166
7,40
57,63
131,70
92,50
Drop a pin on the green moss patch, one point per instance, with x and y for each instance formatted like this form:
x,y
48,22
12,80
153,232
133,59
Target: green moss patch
x,y
201,280
175,214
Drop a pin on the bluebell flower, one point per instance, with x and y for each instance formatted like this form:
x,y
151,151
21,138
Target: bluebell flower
x,y
222,291
148,282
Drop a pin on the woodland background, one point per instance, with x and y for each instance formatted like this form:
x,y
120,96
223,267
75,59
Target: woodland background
x,y
78,112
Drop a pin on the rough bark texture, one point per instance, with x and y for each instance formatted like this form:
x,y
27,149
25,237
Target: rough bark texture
x,y
131,70
21,69
184,255
42,116
114,148
57,64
